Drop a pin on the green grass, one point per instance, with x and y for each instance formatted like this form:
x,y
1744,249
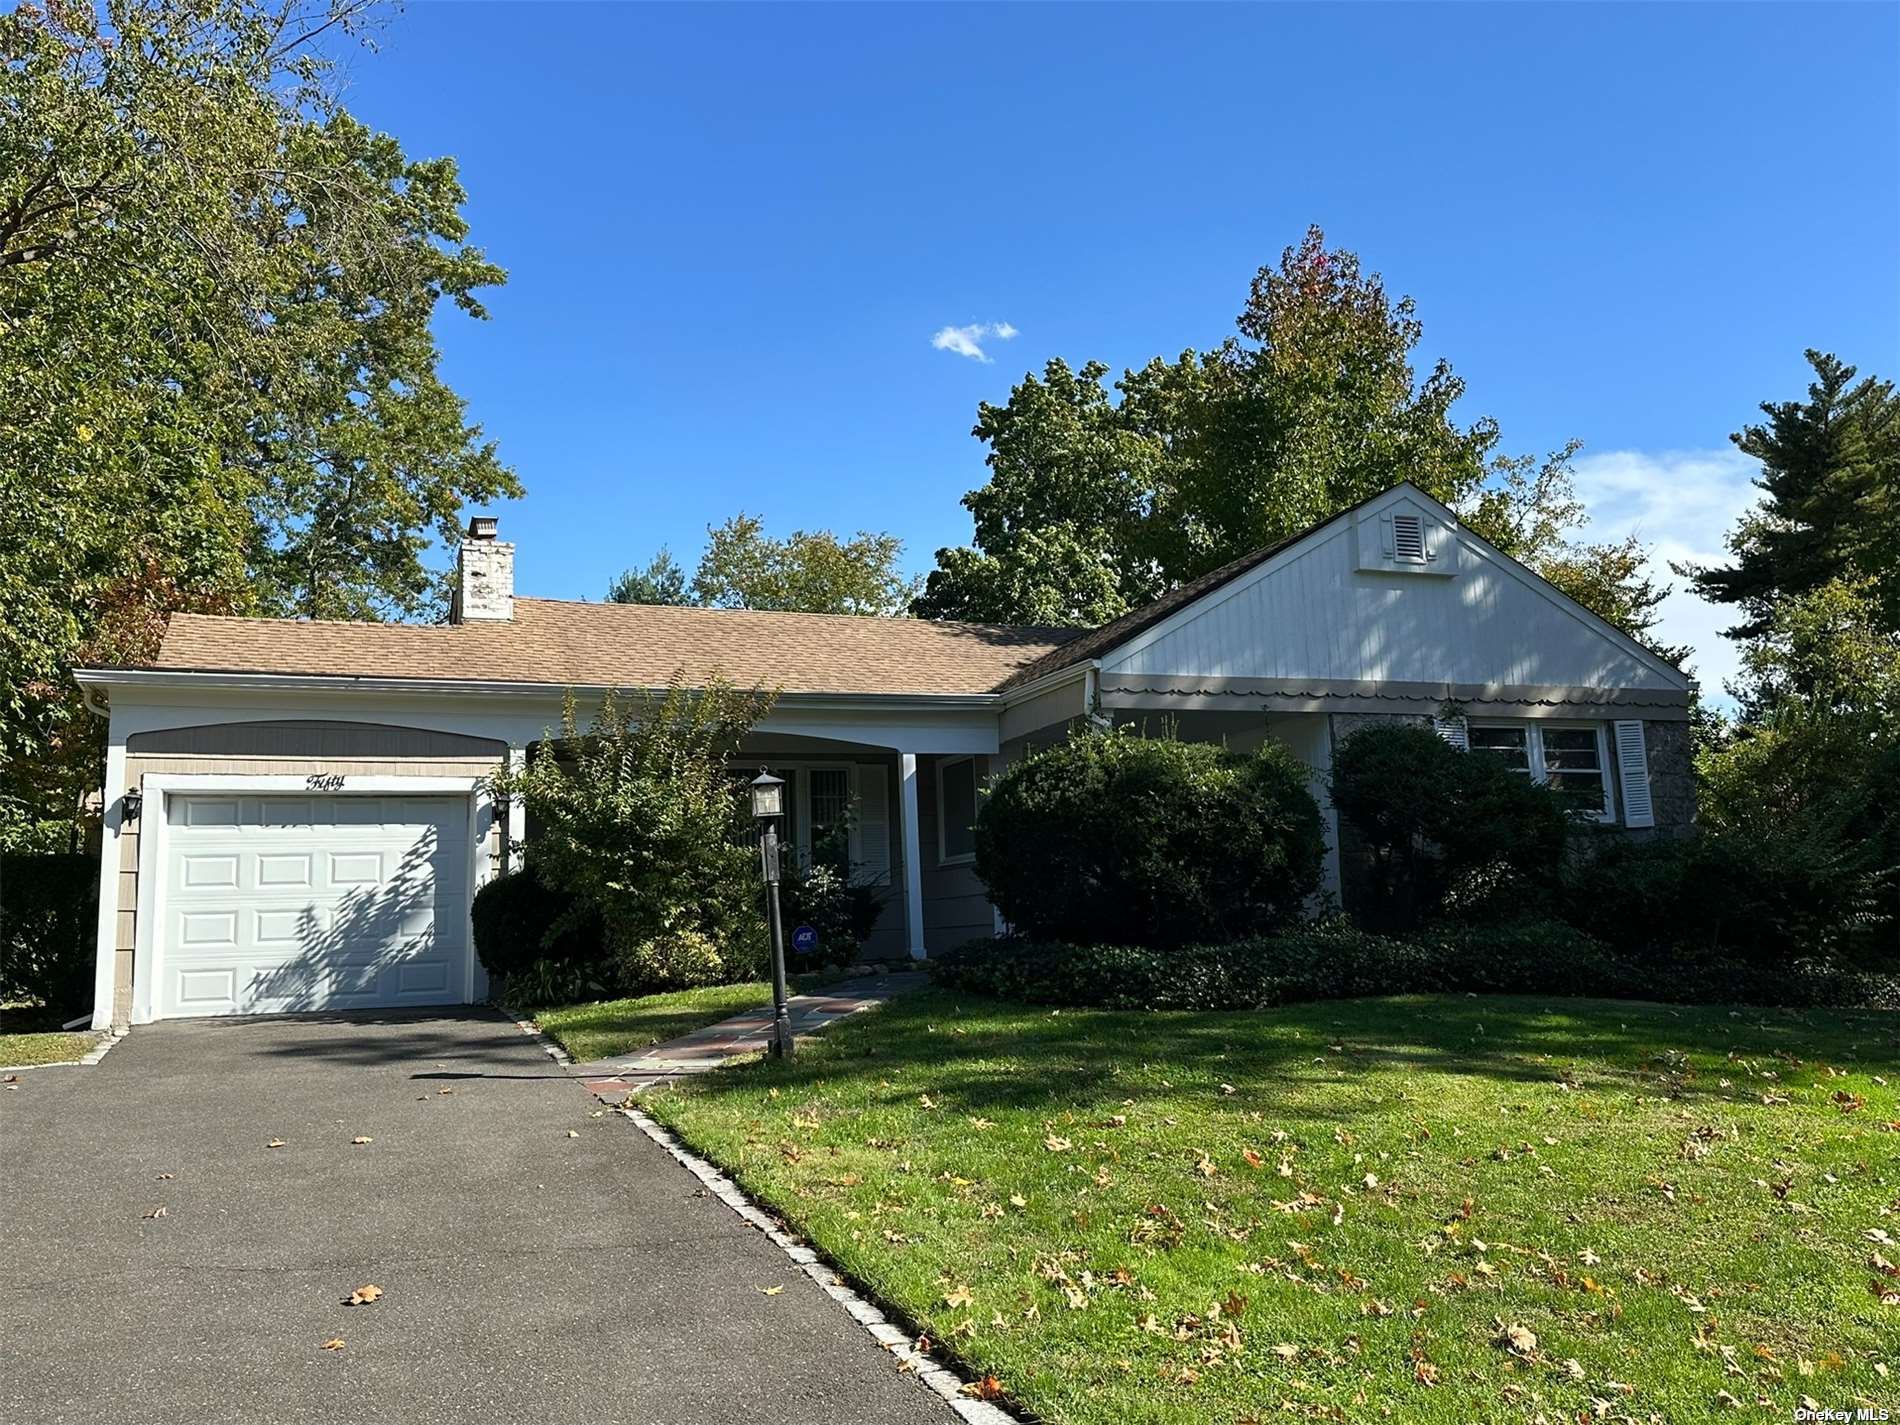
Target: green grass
x,y
1339,1209
604,1028
18,1050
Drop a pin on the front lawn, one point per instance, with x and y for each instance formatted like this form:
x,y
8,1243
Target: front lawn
x,y
19,1050
1424,1209
605,1028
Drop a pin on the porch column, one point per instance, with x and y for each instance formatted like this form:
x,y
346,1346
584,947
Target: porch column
x,y
515,833
913,854
106,932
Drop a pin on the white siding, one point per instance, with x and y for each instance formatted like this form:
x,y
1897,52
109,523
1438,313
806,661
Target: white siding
x,y
1312,613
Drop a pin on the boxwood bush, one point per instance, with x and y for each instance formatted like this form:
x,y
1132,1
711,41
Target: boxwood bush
x,y
1113,838
1334,960
1442,826
519,920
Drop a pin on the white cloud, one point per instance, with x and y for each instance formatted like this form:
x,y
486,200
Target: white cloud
x,y
1682,504
968,341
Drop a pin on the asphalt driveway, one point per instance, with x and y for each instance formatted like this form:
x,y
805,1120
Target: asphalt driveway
x,y
526,1274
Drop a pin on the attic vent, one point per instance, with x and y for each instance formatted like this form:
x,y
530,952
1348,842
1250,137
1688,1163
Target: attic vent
x,y
1408,538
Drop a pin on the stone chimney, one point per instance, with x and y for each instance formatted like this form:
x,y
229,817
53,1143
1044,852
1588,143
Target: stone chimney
x,y
484,576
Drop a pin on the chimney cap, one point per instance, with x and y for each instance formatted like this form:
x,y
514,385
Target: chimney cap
x,y
483,527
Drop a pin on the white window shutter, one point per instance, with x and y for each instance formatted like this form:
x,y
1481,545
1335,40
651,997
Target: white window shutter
x,y
874,824
1632,768
1453,730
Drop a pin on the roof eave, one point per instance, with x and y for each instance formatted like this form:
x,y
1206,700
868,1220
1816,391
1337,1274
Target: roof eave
x,y
230,680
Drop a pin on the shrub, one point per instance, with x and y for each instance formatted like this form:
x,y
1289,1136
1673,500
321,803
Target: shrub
x,y
1807,810
1334,960
1111,837
638,819
49,907
546,982
1443,827
520,920
842,911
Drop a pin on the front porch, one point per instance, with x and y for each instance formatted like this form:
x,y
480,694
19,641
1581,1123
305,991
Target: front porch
x,y
898,821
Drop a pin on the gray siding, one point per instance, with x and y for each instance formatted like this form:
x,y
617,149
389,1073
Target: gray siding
x,y
1315,613
956,907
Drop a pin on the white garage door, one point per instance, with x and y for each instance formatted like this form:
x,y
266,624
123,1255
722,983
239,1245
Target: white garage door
x,y
281,903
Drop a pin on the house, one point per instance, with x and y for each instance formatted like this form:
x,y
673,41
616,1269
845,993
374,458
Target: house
x,y
297,815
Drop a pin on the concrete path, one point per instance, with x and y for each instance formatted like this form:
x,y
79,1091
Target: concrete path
x,y
537,1262
749,1033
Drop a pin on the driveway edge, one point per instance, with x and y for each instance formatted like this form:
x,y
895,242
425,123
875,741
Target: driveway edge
x,y
85,1060
893,1338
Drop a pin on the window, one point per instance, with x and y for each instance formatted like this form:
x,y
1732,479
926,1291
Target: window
x,y
830,824
820,819
1570,758
956,811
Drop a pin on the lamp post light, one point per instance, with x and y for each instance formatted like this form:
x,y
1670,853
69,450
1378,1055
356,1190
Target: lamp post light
x,y
768,805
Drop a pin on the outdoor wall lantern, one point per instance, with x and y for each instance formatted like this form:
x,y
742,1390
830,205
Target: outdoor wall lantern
x,y
768,805
130,805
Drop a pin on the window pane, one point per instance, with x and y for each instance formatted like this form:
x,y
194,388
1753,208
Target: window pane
x,y
957,785
1574,766
1570,748
1507,742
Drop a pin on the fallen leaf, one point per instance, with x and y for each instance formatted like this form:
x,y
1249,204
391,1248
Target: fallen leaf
x,y
164,1177
988,1388
960,1296
1057,1145
275,1143
363,1295
1253,1159
770,1290
570,1133
361,1140
1520,1339
155,1212
335,1343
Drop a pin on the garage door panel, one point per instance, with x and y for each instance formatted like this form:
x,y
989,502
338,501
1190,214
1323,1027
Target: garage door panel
x,y
279,904
204,811
211,871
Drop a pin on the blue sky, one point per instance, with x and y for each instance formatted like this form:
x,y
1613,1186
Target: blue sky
x,y
732,233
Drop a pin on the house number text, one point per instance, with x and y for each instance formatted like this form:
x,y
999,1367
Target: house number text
x,y
324,782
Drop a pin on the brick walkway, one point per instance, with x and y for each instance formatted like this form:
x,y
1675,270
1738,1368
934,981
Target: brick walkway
x,y
750,1033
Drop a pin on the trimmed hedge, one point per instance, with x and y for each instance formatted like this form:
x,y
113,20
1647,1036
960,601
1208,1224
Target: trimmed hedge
x,y
1333,960
49,908
1443,828
515,919
1111,836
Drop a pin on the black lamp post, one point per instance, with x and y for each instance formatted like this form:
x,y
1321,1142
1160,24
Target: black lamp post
x,y
768,805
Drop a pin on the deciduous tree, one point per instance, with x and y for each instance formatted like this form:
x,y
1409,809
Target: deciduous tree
x,y
217,376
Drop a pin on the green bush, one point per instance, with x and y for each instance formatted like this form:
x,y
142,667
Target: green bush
x,y
637,818
1443,828
520,920
1807,812
1112,837
841,910
1334,960
49,926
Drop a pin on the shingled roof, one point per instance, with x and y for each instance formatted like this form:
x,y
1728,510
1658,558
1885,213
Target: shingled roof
x,y
554,642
